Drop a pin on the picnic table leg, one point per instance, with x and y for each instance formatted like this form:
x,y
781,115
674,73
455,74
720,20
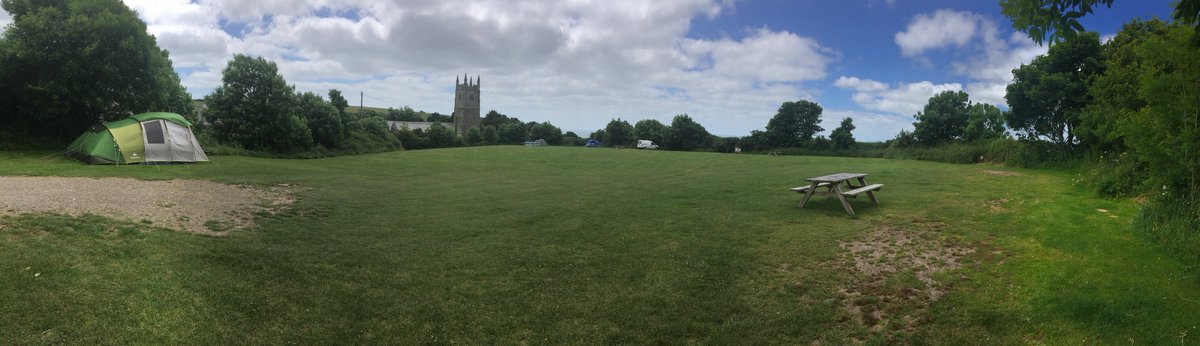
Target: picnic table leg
x,y
863,181
808,194
837,192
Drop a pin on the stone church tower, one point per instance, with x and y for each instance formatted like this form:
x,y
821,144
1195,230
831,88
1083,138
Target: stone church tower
x,y
466,105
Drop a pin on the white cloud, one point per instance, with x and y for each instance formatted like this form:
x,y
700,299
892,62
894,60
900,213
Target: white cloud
x,y
942,28
574,63
903,99
984,55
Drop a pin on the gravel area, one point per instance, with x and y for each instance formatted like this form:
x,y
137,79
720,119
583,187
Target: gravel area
x,y
196,206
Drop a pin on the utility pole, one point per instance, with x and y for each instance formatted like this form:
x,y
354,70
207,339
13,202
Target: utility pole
x,y
360,104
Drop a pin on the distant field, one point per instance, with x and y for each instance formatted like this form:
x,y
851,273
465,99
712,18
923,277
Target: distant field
x,y
555,245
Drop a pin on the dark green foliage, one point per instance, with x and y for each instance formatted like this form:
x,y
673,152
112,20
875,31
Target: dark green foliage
x,y
404,114
1053,20
442,137
756,141
494,118
794,124
618,132
474,137
324,121
572,139
821,143
904,139
512,132
842,137
413,139
597,135
685,134
984,121
1049,20
544,130
650,129
439,118
724,144
77,63
1048,95
255,108
943,119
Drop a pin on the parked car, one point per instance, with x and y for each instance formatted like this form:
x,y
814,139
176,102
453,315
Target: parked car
x,y
646,144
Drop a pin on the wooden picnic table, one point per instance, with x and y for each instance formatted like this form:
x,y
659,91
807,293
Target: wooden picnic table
x,y
833,185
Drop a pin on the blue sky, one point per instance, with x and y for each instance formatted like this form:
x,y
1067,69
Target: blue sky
x,y
728,64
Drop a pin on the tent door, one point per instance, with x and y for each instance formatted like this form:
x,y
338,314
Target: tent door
x,y
157,145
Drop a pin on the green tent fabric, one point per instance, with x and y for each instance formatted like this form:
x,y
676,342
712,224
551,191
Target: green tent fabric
x,y
146,137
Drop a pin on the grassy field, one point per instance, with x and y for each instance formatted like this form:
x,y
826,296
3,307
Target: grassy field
x,y
574,245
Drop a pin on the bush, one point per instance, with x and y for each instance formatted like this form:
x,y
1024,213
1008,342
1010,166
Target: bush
x,y
1171,222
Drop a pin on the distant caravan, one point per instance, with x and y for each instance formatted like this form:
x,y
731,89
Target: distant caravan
x,y
646,144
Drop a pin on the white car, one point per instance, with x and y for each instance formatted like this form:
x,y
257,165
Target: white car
x,y
646,144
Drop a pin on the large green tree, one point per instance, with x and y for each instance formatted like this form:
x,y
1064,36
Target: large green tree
x,y
650,129
324,121
943,119
545,130
256,108
842,137
618,132
685,134
984,121
1162,126
794,124
1048,95
1055,20
75,63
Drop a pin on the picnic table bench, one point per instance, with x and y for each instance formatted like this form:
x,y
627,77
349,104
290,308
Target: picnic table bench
x,y
833,184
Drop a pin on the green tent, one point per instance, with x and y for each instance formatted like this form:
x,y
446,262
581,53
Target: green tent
x,y
144,138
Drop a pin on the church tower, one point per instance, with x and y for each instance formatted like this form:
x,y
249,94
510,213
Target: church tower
x,y
466,105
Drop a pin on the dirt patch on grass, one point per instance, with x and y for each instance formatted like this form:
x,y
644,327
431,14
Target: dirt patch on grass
x,y
195,206
894,275
1000,173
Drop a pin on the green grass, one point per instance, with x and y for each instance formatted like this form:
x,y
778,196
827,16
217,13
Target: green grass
x,y
575,245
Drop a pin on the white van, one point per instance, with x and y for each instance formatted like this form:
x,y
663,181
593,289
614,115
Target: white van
x,y
646,144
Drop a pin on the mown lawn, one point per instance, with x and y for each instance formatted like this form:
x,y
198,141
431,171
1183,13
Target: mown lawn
x,y
576,245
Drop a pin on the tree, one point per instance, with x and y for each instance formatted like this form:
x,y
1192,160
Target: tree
x,y
984,121
338,101
323,120
794,124
842,137
78,63
1059,19
552,134
1162,128
473,137
255,108
403,114
650,129
943,119
494,118
441,137
439,118
618,132
1114,92
511,133
685,134
1047,95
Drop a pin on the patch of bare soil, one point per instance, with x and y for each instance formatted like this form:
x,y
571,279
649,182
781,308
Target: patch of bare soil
x,y
893,275
196,206
1000,173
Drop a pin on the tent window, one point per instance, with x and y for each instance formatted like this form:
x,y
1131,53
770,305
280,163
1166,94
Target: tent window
x,y
154,132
